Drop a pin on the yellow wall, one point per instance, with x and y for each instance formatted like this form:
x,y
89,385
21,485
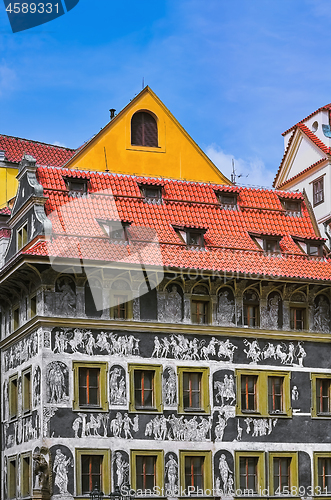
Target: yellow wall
x,y
177,156
8,185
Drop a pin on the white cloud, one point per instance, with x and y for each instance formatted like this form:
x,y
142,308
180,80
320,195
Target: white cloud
x,y
58,143
250,172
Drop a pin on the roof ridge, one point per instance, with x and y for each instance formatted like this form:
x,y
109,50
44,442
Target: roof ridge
x,y
37,142
327,106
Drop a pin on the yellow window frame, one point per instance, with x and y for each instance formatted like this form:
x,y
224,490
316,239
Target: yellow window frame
x,y
26,476
105,475
129,304
207,475
27,390
294,468
207,300
262,409
159,470
205,401
103,367
157,369
261,473
13,396
316,456
314,377
12,477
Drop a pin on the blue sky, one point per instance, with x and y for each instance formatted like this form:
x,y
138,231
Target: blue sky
x,y
235,74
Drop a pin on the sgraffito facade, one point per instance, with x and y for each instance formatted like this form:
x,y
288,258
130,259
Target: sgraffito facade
x,y
165,335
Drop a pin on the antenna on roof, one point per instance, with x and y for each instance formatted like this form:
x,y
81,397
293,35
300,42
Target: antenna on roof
x,y
143,83
234,176
106,159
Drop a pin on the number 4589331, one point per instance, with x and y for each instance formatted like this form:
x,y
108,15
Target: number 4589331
x,y
32,8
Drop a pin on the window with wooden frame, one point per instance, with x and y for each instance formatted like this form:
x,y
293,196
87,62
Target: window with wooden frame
x,y
196,472
193,385
227,200
250,472
145,388
16,318
76,186
22,236
92,469
263,393
151,193
283,472
200,311
13,396
26,475
144,130
251,309
26,391
120,300
321,395
192,237
147,471
318,191
298,318
12,476
90,386
322,473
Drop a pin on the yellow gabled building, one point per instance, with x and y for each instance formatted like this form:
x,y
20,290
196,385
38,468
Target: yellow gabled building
x,y
143,139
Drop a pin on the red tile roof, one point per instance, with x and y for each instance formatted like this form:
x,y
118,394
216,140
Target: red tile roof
x,y
5,211
153,240
327,107
45,154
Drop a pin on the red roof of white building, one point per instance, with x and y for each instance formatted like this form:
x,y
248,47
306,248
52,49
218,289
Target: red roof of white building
x,y
153,240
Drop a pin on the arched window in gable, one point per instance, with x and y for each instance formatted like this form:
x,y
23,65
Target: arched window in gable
x,y
144,130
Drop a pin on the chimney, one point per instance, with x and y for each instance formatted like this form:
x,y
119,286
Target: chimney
x,y
112,113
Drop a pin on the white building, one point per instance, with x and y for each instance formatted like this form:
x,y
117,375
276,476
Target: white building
x,y
306,162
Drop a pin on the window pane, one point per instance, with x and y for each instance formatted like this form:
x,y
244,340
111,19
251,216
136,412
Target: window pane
x,y
144,388
323,395
248,473
89,386
145,472
194,471
275,394
281,473
192,390
91,467
248,392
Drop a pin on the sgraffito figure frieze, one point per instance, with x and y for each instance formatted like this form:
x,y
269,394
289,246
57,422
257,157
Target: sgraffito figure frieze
x,y
171,474
224,473
62,472
57,383
21,351
287,353
181,428
21,430
121,468
117,386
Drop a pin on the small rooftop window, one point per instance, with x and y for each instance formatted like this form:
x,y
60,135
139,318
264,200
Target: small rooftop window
x,y
152,194
76,187
193,237
310,247
292,207
267,243
116,230
228,200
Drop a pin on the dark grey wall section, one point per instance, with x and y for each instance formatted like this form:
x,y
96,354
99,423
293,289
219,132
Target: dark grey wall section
x,y
301,381
305,472
148,305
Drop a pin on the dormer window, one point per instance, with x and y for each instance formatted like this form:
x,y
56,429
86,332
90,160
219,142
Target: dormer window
x,y
116,230
292,207
194,238
267,243
76,187
228,200
310,247
152,194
